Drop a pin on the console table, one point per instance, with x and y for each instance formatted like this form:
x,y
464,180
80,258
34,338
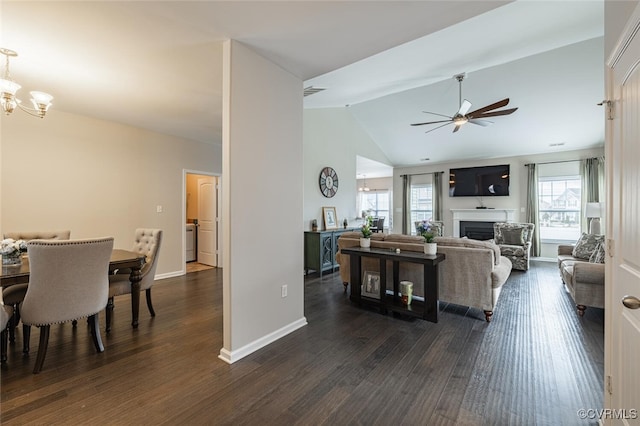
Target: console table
x,y
320,248
427,310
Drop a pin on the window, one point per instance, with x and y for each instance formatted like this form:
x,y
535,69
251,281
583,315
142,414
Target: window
x,y
559,207
375,203
421,203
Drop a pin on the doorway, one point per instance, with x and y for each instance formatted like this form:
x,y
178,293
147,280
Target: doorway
x,y
202,213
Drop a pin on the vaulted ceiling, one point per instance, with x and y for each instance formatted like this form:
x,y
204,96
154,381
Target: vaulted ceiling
x,y
157,65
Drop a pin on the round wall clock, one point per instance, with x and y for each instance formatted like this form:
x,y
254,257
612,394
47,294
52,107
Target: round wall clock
x,y
328,182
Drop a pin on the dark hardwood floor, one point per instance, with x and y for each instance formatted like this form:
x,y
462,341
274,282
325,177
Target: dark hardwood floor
x,y
537,363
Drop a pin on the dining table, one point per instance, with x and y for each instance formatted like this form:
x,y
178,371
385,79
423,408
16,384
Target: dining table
x,y
120,259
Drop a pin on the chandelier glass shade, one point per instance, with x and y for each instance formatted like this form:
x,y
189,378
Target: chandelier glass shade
x,y
8,89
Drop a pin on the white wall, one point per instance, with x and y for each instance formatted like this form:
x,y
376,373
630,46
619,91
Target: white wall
x,y
517,187
333,138
262,202
97,178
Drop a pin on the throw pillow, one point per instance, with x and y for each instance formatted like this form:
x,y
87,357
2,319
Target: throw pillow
x,y
598,254
586,245
513,236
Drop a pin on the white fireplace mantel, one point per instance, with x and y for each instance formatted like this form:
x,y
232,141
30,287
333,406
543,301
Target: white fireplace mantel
x,y
480,215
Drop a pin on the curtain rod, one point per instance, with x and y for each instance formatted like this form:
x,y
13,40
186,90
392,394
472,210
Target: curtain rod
x,y
560,161
420,174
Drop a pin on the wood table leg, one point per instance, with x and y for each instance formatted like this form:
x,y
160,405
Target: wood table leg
x,y
135,277
355,277
431,293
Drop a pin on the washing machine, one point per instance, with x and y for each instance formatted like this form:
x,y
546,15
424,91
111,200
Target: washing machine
x,y
191,247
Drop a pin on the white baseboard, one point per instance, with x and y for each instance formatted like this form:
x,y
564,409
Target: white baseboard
x,y
169,275
232,356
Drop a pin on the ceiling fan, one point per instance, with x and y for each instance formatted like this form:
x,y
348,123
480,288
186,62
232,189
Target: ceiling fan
x,y
464,116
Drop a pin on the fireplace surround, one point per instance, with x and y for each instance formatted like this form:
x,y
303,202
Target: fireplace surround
x,y
480,215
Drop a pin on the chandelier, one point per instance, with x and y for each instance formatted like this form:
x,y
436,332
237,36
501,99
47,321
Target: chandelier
x,y
364,188
41,101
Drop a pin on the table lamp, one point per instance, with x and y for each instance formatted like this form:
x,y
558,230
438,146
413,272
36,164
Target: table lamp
x,y
594,212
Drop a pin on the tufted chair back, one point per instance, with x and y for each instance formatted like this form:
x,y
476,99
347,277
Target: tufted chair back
x,y
147,242
68,280
28,236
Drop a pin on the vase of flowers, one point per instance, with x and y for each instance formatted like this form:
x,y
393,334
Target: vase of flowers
x,y
11,251
365,240
425,231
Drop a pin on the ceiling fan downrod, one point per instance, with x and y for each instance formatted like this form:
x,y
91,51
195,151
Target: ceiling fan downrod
x,y
460,77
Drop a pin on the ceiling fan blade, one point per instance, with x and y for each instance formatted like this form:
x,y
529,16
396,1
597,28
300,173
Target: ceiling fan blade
x,y
496,113
435,113
431,122
483,123
455,129
466,106
436,128
494,105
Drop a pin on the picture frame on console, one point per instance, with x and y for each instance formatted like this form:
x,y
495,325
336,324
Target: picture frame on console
x,y
371,285
330,218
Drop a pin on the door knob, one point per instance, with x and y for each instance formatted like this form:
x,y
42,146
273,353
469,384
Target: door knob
x,y
631,302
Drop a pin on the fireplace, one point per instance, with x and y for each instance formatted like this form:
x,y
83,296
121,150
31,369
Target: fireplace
x,y
480,215
476,230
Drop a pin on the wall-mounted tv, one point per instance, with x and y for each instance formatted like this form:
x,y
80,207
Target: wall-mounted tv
x,y
486,181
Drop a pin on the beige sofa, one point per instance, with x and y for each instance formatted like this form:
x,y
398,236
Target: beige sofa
x,y
583,279
472,273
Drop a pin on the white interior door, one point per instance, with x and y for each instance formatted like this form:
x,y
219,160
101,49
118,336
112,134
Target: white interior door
x,y
207,213
622,322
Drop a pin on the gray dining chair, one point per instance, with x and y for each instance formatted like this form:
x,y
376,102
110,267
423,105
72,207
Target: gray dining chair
x,y
14,295
44,235
5,314
147,242
68,280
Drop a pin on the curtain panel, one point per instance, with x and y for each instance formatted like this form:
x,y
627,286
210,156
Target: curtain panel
x,y
406,204
592,178
532,207
437,195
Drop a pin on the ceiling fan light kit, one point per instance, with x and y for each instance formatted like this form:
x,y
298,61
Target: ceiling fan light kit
x,y
8,88
463,116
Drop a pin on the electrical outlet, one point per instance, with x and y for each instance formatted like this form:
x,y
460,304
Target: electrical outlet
x,y
284,291
158,209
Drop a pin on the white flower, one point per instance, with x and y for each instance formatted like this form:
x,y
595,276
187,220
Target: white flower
x,y
10,246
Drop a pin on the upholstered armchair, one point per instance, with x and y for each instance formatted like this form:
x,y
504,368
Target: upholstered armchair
x,y
514,240
68,280
436,225
147,242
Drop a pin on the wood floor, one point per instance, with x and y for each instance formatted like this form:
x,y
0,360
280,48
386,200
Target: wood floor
x,y
537,363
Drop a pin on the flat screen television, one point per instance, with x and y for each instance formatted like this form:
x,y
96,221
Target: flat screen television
x,y
485,181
